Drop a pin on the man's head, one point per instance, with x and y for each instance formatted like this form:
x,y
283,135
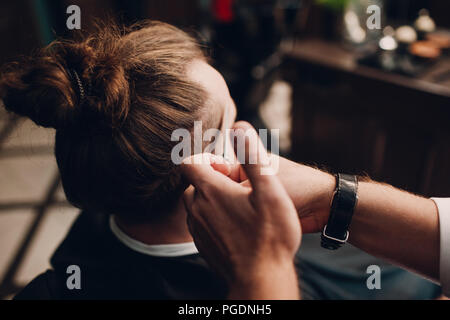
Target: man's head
x,y
113,142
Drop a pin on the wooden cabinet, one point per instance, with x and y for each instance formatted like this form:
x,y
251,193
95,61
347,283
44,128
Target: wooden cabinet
x,y
352,118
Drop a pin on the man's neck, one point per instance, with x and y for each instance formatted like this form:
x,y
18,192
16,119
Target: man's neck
x,y
170,231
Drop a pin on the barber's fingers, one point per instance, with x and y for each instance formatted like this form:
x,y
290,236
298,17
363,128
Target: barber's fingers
x,y
232,170
256,163
205,173
222,166
198,171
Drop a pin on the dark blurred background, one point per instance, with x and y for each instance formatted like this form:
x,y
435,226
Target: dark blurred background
x,y
344,97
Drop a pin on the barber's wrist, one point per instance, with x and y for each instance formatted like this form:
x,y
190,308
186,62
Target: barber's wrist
x,y
268,280
325,200
319,205
260,263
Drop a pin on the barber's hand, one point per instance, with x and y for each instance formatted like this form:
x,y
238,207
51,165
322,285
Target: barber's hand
x,y
310,189
248,235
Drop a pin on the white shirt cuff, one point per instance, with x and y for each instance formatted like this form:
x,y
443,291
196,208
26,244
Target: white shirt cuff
x,y
443,205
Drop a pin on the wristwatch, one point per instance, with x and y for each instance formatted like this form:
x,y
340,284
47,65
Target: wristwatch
x,y
335,233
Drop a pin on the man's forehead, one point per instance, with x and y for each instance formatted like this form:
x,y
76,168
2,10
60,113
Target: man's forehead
x,y
216,88
210,79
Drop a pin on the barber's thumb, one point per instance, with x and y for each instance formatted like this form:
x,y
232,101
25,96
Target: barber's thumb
x,y
254,158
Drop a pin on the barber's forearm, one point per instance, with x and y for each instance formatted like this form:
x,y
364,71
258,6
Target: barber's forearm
x,y
398,226
387,222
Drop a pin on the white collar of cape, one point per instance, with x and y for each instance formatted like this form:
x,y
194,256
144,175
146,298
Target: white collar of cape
x,y
156,250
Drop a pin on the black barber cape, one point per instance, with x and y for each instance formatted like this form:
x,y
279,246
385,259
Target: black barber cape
x,y
110,270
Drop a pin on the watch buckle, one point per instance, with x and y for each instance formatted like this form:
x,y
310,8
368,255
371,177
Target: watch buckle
x,y
335,239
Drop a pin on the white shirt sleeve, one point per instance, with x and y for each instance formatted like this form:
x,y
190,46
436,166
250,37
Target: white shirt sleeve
x,y
443,205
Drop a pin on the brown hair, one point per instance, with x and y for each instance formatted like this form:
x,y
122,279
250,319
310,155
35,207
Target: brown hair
x,y
113,147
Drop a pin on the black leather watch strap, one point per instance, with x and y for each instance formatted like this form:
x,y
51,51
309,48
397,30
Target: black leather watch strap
x,y
335,233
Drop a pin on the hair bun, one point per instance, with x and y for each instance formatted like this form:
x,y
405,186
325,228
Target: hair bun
x,y
42,88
